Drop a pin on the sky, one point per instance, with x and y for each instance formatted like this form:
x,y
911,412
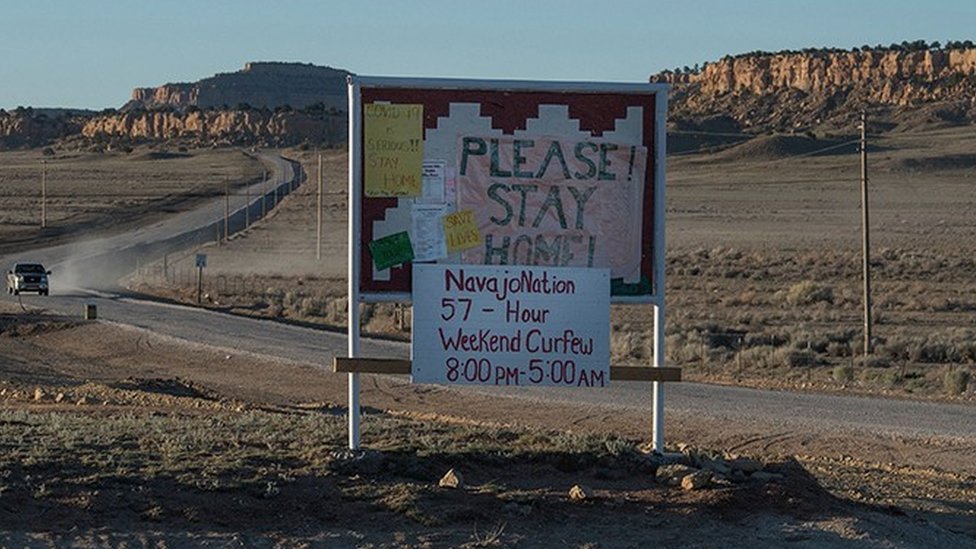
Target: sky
x,y
90,54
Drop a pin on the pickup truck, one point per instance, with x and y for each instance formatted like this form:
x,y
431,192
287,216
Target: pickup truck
x,y
28,277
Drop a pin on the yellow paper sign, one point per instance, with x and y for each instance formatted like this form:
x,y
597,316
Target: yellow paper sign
x,y
461,231
394,149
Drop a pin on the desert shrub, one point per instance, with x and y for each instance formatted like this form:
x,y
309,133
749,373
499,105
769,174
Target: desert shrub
x,y
843,374
274,293
811,342
366,311
956,381
836,349
745,298
874,361
895,349
275,298
313,306
809,292
967,350
887,378
339,308
727,338
291,300
679,348
892,378
627,346
936,350
797,358
762,356
767,338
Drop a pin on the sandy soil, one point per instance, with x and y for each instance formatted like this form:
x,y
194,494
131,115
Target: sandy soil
x,y
68,376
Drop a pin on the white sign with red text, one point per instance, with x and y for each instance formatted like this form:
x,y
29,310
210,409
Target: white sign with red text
x,y
511,325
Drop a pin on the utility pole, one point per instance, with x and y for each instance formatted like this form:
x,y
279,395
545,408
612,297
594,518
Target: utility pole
x,y
199,285
247,203
264,194
865,233
318,241
43,194
226,209
277,198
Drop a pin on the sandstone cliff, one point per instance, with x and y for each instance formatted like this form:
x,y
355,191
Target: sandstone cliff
x,y
27,128
820,91
233,127
259,84
801,90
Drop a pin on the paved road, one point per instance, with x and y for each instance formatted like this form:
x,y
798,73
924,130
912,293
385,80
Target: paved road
x,y
806,412
98,263
795,411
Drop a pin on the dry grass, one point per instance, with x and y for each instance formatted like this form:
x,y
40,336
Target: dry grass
x,y
88,190
956,381
258,471
763,268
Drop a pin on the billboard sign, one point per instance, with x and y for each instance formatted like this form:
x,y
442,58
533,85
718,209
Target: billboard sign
x,y
547,174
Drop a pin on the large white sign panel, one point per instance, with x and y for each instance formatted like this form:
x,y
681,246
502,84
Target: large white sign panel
x,y
511,325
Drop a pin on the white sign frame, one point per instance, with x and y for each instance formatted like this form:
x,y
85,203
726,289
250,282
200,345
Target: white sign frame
x,y
355,297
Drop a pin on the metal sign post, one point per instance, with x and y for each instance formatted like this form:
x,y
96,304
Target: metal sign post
x,y
660,243
354,251
43,194
201,262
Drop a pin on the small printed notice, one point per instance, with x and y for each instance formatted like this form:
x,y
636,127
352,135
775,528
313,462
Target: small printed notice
x,y
393,149
427,230
432,182
391,250
461,231
494,325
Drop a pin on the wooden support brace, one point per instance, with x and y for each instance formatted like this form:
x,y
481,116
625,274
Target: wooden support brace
x,y
402,366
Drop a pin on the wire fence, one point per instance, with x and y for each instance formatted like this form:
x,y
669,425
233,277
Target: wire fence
x,y
178,271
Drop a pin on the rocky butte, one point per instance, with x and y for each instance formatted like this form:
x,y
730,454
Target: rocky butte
x,y
799,90
259,84
266,103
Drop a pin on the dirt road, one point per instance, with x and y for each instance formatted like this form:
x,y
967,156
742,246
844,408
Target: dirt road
x,y
98,263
